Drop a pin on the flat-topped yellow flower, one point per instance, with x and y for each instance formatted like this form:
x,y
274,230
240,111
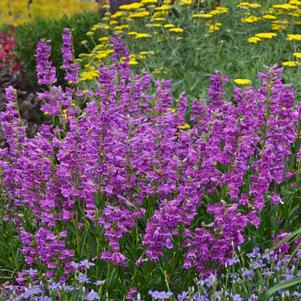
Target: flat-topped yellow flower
x,y
168,25
278,27
158,19
176,29
269,17
295,2
242,81
140,14
202,16
290,64
215,27
103,54
284,6
248,5
297,55
184,126
132,6
117,15
103,39
121,27
219,10
163,7
132,33
133,61
89,75
142,35
254,40
149,2
266,35
222,9
96,27
250,19
294,37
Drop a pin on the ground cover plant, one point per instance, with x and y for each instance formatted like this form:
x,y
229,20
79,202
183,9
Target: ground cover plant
x,y
160,197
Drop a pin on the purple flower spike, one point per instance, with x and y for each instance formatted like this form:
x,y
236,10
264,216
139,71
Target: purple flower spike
x,y
46,72
67,52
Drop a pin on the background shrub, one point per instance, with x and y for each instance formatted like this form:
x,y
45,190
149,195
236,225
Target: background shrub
x,y
28,35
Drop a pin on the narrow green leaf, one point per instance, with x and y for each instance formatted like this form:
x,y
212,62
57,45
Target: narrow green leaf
x,y
280,286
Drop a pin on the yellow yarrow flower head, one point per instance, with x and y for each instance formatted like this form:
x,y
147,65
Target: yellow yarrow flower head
x,y
149,2
254,40
141,14
266,35
297,55
89,75
202,16
242,81
176,29
294,37
164,7
96,27
142,35
215,27
247,5
222,9
117,15
132,6
168,25
269,17
133,61
158,19
290,64
284,6
278,27
103,39
250,19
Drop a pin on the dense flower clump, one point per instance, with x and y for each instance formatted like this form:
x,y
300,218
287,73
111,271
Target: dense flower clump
x,y
113,149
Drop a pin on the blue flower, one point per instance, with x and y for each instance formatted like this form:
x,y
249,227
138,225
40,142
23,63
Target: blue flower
x,y
160,295
83,278
92,296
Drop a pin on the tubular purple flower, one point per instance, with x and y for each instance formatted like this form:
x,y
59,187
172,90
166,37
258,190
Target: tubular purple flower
x,y
46,72
67,53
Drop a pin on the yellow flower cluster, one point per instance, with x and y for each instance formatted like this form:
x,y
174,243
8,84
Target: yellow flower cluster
x,y
211,16
16,12
278,16
125,21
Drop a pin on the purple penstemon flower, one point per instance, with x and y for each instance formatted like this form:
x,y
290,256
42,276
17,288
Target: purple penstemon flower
x,y
67,53
46,72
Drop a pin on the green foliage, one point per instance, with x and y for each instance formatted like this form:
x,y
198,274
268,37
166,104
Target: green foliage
x,y
28,35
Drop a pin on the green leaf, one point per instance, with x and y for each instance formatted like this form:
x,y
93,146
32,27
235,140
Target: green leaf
x,y
280,286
